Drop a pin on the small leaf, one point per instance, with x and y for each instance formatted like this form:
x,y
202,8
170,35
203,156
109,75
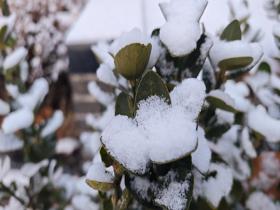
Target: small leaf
x,y
151,85
124,105
100,186
132,60
5,7
265,67
235,63
232,32
3,32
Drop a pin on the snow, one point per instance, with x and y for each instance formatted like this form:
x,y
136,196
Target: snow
x,y
97,172
258,80
154,136
53,123
9,143
215,188
91,142
174,196
101,51
20,119
202,156
4,107
35,94
224,116
260,121
14,58
100,122
131,37
181,30
66,146
190,94
259,201
223,50
231,154
101,96
247,145
105,74
240,10
8,21
31,169
12,90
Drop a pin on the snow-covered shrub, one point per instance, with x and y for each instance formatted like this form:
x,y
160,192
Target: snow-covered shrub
x,y
32,169
41,27
184,118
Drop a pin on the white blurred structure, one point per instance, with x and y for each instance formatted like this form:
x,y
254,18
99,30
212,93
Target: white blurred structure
x,y
107,19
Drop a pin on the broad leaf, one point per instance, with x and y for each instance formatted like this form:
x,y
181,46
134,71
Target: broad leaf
x,y
132,60
235,63
232,32
151,85
124,105
220,103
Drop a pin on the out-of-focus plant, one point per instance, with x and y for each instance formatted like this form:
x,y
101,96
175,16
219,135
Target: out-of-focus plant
x,y
41,28
185,117
34,170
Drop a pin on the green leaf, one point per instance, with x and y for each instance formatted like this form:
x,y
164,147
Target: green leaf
x,y
132,60
100,186
124,105
3,32
232,32
5,7
220,104
235,63
106,158
265,67
151,85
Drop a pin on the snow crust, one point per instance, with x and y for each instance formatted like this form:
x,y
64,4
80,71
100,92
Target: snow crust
x,y
181,30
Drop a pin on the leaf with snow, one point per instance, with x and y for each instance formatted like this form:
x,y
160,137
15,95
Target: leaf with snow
x,y
160,132
35,94
221,100
20,119
4,107
9,143
246,144
202,156
100,95
66,146
219,186
99,178
105,74
260,121
232,32
53,123
14,58
235,55
181,30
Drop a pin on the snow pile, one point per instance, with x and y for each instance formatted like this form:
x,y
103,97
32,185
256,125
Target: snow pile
x,y
181,31
101,96
159,133
19,119
66,146
260,121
